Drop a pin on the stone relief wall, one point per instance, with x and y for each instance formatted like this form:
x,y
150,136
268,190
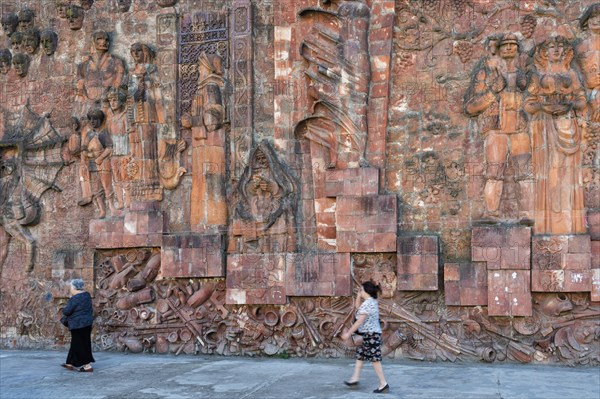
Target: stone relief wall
x,y
222,173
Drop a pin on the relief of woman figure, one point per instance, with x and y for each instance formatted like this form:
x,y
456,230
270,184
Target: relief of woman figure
x,y
147,111
557,104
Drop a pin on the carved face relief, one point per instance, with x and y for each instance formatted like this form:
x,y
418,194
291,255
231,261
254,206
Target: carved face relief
x,y
16,41
9,23
101,42
508,50
5,61
123,5
26,18
95,121
137,53
556,51
31,41
594,24
114,102
21,64
49,41
61,8
75,16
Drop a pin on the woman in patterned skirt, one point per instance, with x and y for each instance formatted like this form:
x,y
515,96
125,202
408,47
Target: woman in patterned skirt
x,y
367,324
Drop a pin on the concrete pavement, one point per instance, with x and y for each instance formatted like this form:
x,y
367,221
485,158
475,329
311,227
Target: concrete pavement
x,y
37,374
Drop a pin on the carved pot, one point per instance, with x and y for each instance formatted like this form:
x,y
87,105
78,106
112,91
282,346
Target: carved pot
x,y
162,345
133,344
201,296
144,296
487,354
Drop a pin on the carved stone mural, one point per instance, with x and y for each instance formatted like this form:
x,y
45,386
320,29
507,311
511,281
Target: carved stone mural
x,y
223,174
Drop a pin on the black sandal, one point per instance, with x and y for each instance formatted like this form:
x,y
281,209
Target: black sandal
x,y
381,390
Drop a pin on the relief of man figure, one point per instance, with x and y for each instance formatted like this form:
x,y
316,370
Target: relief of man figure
x,y
118,129
495,96
97,148
99,72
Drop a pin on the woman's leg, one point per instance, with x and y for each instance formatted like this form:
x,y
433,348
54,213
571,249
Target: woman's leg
x,y
379,373
357,369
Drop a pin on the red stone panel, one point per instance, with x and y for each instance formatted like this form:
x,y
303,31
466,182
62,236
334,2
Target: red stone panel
x,y
256,279
318,274
595,292
593,218
561,264
355,181
192,256
509,293
502,247
417,268
366,223
465,284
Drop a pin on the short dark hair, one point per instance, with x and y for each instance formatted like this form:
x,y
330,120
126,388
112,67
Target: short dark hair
x,y
590,12
371,288
96,113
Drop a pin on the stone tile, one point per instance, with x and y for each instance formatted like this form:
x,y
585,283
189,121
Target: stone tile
x,y
509,293
193,256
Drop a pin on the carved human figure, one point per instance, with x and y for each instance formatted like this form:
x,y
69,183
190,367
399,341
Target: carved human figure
x,y
75,16
557,104
264,219
99,72
5,61
118,129
11,207
10,21
75,148
26,20
147,111
208,205
97,148
123,5
31,40
588,57
49,42
495,96
21,64
145,87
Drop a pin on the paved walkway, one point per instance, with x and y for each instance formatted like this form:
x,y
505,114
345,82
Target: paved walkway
x,y
37,374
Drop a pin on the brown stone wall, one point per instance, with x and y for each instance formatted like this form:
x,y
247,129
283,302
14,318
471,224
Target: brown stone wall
x,y
246,163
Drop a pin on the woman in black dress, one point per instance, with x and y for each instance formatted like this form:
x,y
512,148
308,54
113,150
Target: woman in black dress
x,y
78,317
367,324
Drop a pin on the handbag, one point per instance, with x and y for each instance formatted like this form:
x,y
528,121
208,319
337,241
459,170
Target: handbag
x,y
64,321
